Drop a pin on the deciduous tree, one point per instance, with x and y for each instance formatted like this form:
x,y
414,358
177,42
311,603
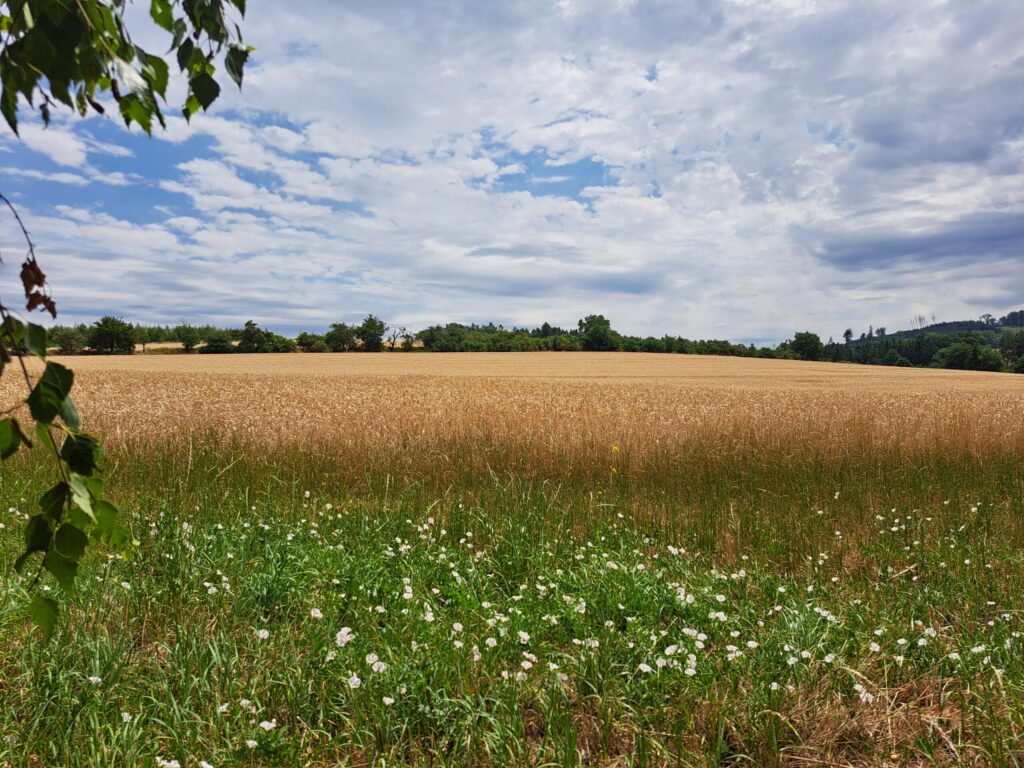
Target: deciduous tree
x,y
112,336
371,334
807,345
597,334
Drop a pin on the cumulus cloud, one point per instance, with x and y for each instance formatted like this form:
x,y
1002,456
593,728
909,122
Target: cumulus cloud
x,y
741,169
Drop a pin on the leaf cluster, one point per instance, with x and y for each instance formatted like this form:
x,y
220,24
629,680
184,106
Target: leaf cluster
x,y
73,512
75,53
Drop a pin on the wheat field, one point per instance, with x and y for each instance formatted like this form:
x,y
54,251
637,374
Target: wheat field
x,y
532,559
638,402
674,432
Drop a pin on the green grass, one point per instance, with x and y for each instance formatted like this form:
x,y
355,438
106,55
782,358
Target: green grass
x,y
780,594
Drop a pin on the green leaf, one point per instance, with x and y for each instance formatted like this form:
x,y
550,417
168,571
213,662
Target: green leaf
x,y
44,612
14,330
64,571
9,107
234,62
95,485
82,453
155,70
69,414
37,534
44,403
191,107
80,495
48,397
240,5
44,436
180,30
81,104
24,435
71,542
35,340
79,519
52,502
205,89
19,564
107,528
134,109
10,438
185,54
59,377
160,11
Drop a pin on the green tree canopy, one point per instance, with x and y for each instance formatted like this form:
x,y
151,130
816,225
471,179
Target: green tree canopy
x,y
969,357
1011,344
112,336
341,337
371,334
807,346
68,341
254,339
188,335
597,334
311,342
217,343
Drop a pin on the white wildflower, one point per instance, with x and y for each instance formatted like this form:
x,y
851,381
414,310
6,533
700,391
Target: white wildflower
x,y
344,637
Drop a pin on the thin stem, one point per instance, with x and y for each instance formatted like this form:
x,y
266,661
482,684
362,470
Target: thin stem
x,y
5,315
24,231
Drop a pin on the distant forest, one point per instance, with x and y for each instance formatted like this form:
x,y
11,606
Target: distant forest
x,y
986,344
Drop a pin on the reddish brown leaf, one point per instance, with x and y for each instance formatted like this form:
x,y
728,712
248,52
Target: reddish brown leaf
x,y
31,275
37,299
34,281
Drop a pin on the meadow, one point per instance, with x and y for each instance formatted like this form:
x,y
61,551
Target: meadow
x,y
536,559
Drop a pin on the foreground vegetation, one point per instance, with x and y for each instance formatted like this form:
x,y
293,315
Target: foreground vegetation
x,y
482,570
263,620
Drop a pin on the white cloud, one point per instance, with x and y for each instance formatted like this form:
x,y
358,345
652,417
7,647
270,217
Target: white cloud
x,y
59,144
754,168
59,177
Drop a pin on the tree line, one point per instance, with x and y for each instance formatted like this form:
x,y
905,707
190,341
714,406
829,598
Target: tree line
x,y
988,345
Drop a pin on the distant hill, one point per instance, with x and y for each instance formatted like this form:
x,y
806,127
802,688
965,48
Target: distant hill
x,y
992,328
986,344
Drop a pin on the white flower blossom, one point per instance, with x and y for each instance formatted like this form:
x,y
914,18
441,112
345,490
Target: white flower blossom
x,y
344,637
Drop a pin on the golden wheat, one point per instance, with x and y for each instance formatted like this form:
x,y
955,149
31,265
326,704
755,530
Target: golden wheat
x,y
537,413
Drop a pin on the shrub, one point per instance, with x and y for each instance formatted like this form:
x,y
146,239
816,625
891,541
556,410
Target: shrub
x,y
68,341
963,356
218,343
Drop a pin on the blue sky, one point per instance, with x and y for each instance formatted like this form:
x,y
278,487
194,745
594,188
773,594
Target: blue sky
x,y
734,169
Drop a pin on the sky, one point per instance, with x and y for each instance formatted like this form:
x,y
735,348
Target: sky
x,y
738,170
